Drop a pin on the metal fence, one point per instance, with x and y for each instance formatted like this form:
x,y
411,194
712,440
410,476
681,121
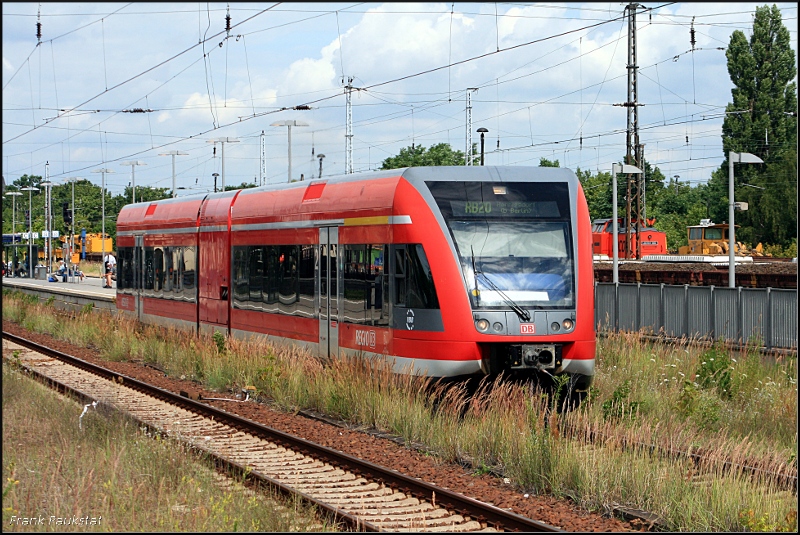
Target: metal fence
x,y
739,315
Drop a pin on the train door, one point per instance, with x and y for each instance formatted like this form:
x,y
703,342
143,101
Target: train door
x,y
138,277
329,284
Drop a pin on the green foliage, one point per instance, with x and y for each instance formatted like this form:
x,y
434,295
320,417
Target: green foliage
x,y
544,162
50,301
418,156
714,372
751,522
618,405
761,119
783,252
219,339
700,407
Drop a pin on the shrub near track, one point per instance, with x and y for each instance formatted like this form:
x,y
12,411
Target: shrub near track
x,y
643,393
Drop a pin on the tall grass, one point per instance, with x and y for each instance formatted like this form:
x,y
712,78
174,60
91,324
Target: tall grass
x,y
108,471
683,397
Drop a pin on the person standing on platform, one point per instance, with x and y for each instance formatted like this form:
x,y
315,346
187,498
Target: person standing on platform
x,y
110,265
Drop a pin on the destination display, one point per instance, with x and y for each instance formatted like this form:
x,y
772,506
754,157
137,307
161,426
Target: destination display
x,y
497,209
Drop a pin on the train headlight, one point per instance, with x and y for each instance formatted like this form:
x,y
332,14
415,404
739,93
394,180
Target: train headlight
x,y
568,324
498,327
555,327
482,325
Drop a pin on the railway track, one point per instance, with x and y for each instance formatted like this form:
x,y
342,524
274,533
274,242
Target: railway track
x,y
362,495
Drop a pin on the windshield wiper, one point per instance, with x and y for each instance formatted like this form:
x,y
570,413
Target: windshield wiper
x,y
475,292
519,311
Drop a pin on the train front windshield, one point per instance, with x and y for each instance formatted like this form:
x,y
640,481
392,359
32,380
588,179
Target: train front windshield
x,y
514,241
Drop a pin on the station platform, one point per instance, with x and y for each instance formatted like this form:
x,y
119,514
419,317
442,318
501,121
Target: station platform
x,y
74,293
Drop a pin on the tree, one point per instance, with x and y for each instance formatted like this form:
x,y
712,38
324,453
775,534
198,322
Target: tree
x,y
762,120
418,156
544,162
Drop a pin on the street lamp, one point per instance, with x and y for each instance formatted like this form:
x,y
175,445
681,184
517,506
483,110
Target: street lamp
x,y
13,195
71,240
133,164
223,140
30,189
48,242
618,168
739,157
482,131
215,175
320,156
290,123
174,153
103,171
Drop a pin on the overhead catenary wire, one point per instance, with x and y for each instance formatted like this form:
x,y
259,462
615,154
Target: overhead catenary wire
x,y
415,108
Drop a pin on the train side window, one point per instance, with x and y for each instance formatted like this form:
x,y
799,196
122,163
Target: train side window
x,y
287,277
149,270
377,285
256,276
695,233
175,274
713,234
269,290
305,281
414,286
354,277
158,270
400,275
241,281
125,268
189,271
167,288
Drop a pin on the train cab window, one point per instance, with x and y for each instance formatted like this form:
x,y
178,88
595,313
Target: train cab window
x,y
695,233
514,240
413,282
713,234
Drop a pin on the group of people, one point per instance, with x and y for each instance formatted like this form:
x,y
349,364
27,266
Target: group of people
x,y
109,270
76,270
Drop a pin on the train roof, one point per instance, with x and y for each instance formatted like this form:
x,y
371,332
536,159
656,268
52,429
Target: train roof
x,y
318,195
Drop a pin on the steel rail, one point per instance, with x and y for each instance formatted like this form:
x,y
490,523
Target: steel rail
x,y
480,511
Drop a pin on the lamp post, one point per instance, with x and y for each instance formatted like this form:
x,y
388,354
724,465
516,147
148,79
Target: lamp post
x,y
13,195
734,157
174,153
320,156
222,141
71,240
30,189
215,175
618,168
48,242
290,123
133,164
482,131
103,171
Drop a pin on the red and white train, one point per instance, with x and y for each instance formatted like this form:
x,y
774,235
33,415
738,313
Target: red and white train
x,y
446,271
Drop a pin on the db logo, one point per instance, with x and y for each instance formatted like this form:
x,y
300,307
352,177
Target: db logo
x,y
527,328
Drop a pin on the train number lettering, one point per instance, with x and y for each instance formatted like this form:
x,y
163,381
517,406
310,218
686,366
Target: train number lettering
x,y
475,207
527,328
365,338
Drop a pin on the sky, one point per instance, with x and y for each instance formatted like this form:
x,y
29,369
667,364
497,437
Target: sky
x,y
109,83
